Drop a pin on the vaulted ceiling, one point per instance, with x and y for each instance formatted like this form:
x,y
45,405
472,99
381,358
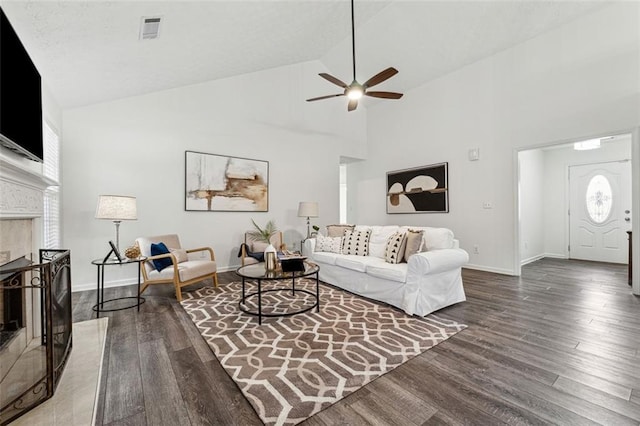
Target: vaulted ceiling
x,y
90,51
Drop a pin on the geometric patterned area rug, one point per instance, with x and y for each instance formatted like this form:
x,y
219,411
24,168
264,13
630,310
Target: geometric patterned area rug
x,y
290,368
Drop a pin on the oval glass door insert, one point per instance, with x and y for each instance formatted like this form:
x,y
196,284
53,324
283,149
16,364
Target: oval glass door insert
x,y
599,198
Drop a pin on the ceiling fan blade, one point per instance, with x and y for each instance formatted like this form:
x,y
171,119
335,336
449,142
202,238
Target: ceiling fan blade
x,y
324,97
353,104
380,77
385,95
332,79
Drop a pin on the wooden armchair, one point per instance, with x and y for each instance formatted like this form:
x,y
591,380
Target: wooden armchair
x,y
251,245
183,270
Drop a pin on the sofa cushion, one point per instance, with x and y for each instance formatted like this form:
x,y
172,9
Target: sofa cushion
x,y
356,263
160,248
328,244
414,243
434,238
379,238
388,271
325,257
338,230
356,242
395,247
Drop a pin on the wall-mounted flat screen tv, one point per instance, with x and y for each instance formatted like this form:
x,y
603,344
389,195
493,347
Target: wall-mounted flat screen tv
x,y
20,96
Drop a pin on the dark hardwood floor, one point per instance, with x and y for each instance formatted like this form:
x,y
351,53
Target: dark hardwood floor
x,y
559,345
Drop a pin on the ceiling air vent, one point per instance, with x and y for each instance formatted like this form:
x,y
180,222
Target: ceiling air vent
x,y
149,27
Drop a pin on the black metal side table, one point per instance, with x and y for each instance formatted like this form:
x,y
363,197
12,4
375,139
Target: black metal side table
x,y
101,263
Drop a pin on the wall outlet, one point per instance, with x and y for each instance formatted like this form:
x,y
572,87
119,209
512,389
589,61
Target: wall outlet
x,y
476,249
487,205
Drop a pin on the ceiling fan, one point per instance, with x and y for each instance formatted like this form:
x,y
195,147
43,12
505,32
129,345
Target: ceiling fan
x,y
355,90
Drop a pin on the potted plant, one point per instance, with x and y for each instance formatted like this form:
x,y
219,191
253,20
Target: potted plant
x,y
264,234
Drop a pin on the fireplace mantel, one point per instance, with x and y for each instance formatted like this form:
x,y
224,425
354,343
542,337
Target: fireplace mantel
x,y
21,190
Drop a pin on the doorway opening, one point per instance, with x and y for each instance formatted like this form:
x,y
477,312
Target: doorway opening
x,y
565,210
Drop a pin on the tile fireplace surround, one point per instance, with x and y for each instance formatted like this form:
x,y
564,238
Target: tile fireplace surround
x,y
21,230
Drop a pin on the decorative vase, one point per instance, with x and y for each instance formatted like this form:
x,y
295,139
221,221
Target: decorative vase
x,y
132,252
270,258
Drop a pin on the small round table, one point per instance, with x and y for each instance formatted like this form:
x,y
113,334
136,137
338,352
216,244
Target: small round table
x,y
258,273
101,263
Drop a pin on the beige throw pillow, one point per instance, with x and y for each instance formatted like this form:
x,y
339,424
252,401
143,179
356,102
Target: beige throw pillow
x,y
413,243
338,230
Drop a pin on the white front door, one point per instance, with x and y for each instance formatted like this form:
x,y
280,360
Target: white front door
x,y
600,211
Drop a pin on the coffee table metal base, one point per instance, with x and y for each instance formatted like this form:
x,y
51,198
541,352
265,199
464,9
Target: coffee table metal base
x,y
261,292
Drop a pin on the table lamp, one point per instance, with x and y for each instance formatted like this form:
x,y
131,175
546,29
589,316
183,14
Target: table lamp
x,y
117,208
308,209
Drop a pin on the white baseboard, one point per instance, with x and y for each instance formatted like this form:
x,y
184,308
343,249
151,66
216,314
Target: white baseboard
x,y
107,284
489,269
556,255
129,281
532,259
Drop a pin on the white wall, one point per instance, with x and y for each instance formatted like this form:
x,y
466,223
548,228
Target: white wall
x,y
556,191
136,146
579,80
532,200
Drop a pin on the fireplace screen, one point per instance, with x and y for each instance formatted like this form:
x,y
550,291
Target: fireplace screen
x,y
35,330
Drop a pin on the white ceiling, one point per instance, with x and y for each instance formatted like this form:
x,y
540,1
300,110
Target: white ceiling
x,y
89,51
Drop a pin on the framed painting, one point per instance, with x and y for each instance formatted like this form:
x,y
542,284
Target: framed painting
x,y
418,190
225,184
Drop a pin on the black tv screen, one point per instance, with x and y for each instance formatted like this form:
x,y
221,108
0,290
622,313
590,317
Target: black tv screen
x,y
20,96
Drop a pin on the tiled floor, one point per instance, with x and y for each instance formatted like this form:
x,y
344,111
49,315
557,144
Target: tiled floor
x,y
75,399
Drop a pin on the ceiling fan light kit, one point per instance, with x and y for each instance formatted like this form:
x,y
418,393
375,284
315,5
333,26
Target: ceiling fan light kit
x,y
355,90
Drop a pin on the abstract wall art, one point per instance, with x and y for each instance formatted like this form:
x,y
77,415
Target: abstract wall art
x,y
222,183
418,190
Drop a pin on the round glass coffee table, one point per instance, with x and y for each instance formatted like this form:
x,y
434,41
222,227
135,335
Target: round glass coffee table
x,y
299,300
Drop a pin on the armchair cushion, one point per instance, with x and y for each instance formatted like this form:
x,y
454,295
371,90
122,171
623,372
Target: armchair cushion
x,y
180,254
258,246
186,270
160,248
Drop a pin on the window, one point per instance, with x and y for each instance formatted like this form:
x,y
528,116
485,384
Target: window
x,y
51,169
343,193
599,198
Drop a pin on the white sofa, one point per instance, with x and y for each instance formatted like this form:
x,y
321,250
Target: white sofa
x,y
429,281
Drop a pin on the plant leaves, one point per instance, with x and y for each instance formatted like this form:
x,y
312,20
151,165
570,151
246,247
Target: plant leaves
x,y
261,234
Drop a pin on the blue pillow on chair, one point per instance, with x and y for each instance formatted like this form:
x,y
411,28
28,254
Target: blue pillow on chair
x,y
160,248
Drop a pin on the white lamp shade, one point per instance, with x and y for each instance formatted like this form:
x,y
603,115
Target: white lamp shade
x,y
308,209
117,207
